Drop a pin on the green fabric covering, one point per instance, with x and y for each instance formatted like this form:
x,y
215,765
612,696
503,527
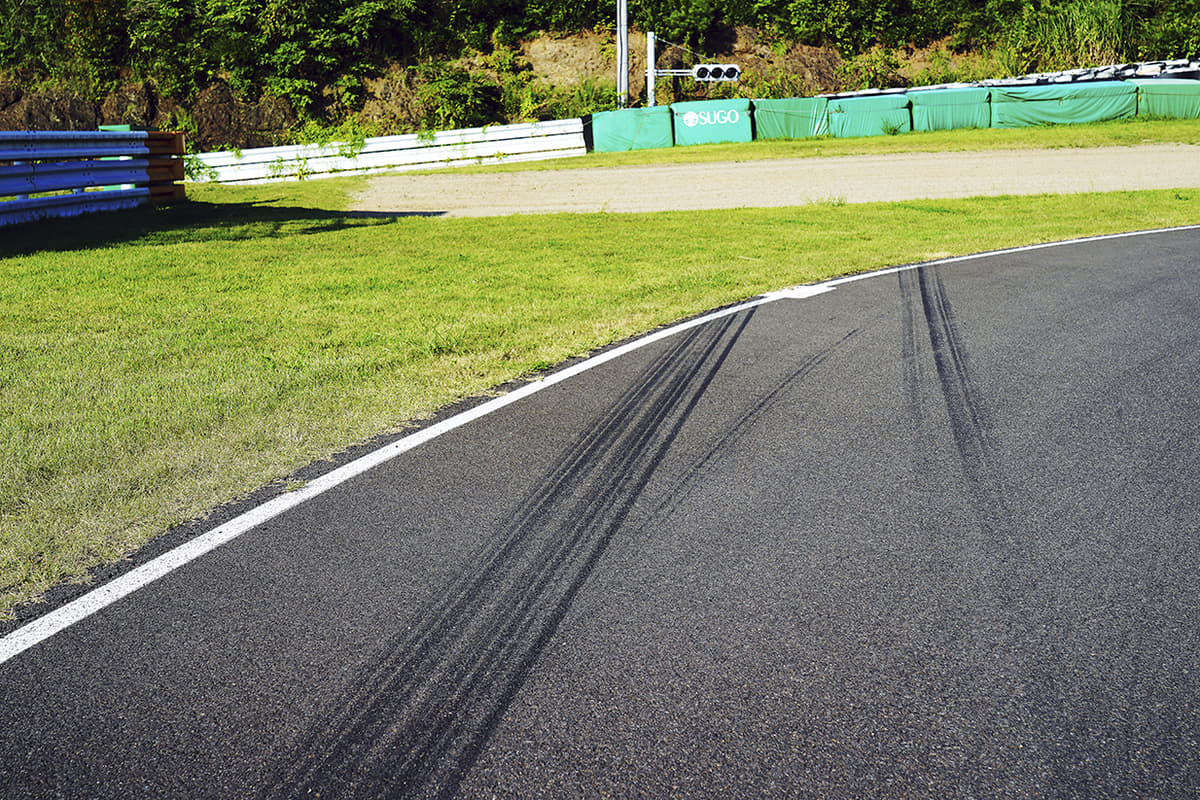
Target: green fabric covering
x,y
631,129
712,121
873,115
1062,104
1168,97
950,109
795,118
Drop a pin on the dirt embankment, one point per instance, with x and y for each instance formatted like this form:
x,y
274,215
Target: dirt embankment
x,y
571,60
218,117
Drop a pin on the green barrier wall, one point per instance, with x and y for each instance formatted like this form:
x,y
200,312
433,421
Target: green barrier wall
x,y
795,118
951,109
1062,104
1167,97
874,115
712,121
631,129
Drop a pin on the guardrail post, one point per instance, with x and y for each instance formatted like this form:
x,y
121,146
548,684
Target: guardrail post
x,y
166,170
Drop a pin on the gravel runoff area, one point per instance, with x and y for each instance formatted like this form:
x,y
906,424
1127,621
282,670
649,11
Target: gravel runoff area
x,y
790,182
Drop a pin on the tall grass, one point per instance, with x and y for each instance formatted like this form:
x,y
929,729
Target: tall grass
x,y
1085,33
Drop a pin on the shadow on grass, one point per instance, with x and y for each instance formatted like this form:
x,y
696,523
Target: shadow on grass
x,y
186,222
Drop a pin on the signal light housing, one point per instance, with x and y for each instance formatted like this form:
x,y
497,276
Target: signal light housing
x,y
716,72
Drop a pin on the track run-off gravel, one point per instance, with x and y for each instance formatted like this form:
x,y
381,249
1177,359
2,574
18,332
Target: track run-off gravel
x,y
788,182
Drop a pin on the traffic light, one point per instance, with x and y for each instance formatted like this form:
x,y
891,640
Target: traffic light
x,y
716,72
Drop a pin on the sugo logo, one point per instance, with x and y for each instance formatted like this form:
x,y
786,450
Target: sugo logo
x,y
724,117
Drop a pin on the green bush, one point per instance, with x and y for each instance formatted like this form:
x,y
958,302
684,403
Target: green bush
x,y
453,97
317,54
1173,33
878,69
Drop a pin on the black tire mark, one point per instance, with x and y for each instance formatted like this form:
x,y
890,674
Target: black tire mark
x,y
417,716
969,423
996,579
954,373
909,347
744,423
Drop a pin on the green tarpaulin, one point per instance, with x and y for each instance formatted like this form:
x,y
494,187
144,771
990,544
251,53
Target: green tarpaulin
x,y
631,129
873,115
1062,104
712,121
1168,97
950,109
796,118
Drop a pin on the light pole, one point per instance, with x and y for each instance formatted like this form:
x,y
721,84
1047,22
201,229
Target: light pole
x,y
650,58
652,73
622,53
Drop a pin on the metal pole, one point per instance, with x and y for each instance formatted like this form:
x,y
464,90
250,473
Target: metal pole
x,y
650,68
622,53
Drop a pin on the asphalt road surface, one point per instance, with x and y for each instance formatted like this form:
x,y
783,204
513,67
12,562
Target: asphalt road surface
x,y
933,533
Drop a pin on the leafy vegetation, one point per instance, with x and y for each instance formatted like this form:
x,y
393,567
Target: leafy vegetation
x,y
318,54
1087,32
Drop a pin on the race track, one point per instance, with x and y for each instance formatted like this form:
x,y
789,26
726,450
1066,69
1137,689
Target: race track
x,y
927,533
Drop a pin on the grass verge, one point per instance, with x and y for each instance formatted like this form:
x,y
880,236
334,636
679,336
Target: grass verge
x,y
156,364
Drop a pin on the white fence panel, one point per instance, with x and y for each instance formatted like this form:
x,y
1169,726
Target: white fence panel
x,y
495,144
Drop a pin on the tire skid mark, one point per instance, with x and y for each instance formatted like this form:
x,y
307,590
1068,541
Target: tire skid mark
x,y
968,419
419,713
914,344
746,422
996,575
950,357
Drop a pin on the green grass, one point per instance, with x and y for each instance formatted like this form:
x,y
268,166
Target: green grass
x,y
156,364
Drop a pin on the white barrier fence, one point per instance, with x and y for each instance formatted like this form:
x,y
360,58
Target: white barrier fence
x,y
495,144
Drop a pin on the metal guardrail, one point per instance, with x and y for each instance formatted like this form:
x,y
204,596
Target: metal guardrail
x,y
495,144
57,176
47,174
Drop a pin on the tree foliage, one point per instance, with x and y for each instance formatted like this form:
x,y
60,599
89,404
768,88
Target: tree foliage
x,y
316,52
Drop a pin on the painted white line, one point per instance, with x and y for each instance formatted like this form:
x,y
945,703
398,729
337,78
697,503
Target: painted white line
x,y
1008,251
800,292
48,625
61,618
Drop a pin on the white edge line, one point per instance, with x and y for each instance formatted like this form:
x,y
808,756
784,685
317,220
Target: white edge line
x,y
1007,251
61,618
